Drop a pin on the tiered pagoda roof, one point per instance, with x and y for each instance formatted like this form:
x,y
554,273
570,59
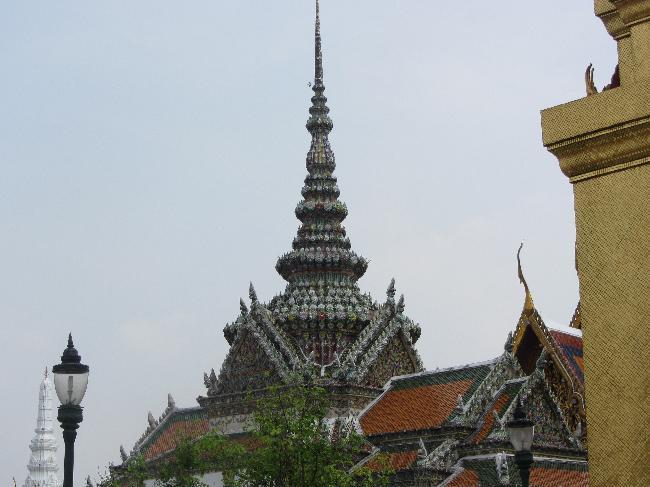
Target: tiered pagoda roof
x,y
322,322
322,307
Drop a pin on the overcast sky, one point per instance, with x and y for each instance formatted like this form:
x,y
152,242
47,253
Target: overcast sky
x,y
152,154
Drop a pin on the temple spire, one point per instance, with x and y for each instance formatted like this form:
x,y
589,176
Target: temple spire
x,y
42,466
318,73
321,250
322,306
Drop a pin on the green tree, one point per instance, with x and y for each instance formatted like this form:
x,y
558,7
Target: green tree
x,y
294,445
133,475
290,443
191,458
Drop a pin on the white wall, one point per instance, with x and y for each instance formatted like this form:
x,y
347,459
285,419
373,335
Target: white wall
x,y
213,479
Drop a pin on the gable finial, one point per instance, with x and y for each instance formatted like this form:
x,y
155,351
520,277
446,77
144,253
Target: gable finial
x,y
528,303
242,307
318,67
252,294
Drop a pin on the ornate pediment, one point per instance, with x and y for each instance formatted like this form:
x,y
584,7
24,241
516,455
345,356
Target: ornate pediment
x,y
260,354
551,427
395,359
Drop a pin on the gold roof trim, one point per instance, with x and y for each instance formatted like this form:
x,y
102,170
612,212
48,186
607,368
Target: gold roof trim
x,y
529,306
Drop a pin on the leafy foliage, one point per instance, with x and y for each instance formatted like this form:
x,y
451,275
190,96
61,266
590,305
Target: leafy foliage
x,y
290,443
295,445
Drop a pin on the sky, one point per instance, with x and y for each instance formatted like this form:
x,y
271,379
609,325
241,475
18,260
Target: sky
x,y
152,154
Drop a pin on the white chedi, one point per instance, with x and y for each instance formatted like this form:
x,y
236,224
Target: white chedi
x,y
43,466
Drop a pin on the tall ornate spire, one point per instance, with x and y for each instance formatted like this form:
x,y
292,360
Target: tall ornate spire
x,y
321,269
318,73
321,245
42,464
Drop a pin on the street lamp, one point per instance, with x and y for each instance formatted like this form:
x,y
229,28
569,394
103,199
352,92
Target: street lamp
x,y
521,431
70,382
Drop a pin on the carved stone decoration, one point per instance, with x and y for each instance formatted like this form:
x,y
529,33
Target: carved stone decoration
x,y
390,292
563,393
248,368
460,405
399,309
508,346
242,307
590,87
171,404
394,360
422,453
505,368
123,454
501,460
252,294
444,456
551,429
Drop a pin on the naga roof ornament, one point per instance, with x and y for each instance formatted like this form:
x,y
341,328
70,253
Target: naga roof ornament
x,y
529,306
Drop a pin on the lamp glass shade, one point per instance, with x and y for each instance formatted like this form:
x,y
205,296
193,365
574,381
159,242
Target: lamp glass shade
x,y
70,386
521,437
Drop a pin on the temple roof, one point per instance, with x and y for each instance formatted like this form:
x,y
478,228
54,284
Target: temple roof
x,y
546,472
423,401
569,344
502,400
185,424
562,343
322,321
163,434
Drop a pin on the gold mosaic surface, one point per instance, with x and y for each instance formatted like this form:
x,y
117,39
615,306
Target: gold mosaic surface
x,y
602,142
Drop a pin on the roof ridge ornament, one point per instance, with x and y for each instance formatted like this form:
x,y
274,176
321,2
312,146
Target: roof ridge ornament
x,y
252,294
529,306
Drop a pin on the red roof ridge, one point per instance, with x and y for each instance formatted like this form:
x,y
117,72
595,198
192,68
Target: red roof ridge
x,y
565,330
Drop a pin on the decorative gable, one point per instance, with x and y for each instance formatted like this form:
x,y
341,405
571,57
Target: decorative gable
x,y
396,359
247,367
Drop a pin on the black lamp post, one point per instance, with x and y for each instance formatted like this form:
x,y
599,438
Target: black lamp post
x,y
521,431
70,382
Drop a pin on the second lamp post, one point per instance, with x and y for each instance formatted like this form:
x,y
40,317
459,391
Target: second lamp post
x,y
70,382
521,432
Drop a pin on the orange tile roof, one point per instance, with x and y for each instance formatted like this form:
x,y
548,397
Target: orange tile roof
x,y
488,421
552,477
501,402
172,433
467,478
413,409
422,401
396,460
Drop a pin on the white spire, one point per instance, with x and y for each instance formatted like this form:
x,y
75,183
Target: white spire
x,y
43,465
